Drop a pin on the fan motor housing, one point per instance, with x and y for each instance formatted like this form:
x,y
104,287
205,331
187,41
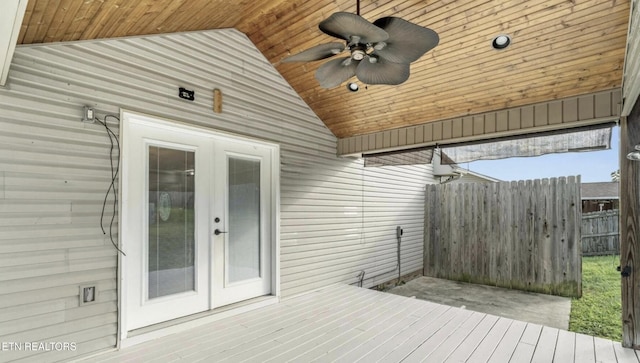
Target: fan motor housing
x,y
358,52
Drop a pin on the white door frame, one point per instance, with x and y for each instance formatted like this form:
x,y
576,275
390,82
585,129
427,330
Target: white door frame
x,y
129,117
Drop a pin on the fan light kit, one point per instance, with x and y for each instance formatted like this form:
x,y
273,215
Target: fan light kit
x,y
379,52
501,41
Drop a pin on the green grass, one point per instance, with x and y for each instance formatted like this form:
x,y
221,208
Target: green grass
x,y
171,242
599,311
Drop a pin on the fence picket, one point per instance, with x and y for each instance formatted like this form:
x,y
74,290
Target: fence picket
x,y
523,235
600,233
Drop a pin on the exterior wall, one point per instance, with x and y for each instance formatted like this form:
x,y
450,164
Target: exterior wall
x,y
337,218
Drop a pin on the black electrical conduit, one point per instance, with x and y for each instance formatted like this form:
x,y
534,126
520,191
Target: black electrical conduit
x,y
397,267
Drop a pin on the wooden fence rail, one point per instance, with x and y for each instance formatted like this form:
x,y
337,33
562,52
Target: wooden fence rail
x,y
600,233
523,235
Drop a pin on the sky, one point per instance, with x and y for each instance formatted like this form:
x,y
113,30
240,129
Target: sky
x,y
592,166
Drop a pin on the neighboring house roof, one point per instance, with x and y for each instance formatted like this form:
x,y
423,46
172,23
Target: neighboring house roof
x,y
445,161
601,190
477,175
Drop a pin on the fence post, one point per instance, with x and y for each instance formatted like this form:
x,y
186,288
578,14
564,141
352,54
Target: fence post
x,y
629,228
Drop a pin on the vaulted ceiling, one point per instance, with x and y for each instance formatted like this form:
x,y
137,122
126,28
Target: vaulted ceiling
x,y
560,48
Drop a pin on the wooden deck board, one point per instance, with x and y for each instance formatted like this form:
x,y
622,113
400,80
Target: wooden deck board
x,y
624,355
585,349
399,352
546,347
469,345
490,341
505,349
527,344
376,336
168,347
330,334
255,341
404,336
349,324
452,342
565,347
356,343
604,350
431,335
428,346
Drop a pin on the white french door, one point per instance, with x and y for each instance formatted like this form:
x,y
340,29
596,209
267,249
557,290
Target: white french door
x,y
196,220
242,263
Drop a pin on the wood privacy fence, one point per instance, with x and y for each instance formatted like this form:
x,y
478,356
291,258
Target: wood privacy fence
x,y
522,235
600,233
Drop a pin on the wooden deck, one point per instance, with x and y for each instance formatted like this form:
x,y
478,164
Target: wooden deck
x,y
349,324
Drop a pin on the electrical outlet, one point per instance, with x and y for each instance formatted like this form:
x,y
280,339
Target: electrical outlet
x,y
88,114
88,294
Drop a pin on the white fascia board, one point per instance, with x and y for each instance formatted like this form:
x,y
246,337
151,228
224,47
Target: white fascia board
x,y
11,15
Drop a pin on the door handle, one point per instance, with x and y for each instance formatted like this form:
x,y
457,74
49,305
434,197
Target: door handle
x,y
217,232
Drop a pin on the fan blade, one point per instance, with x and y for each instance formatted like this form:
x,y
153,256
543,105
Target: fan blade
x,y
334,72
318,52
407,41
380,71
346,25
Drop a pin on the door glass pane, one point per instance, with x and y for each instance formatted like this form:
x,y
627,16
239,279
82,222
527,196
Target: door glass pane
x,y
244,220
171,221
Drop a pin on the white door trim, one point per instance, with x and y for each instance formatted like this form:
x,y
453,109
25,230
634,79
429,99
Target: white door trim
x,y
128,117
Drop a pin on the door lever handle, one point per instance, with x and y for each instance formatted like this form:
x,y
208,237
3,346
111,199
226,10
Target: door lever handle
x,y
217,232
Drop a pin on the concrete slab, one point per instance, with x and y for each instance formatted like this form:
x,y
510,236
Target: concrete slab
x,y
531,307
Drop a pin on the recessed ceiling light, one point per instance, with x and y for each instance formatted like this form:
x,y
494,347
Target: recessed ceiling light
x,y
353,87
501,41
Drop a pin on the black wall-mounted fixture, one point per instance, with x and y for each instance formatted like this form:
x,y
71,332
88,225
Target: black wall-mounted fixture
x,y
186,94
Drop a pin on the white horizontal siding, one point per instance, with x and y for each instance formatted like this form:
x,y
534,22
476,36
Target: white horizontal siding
x,y
631,83
337,218
340,240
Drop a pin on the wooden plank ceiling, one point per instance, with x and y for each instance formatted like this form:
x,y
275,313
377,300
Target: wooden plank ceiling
x,y
560,48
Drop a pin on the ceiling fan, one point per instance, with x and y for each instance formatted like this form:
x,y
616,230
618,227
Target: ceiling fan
x,y
380,52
